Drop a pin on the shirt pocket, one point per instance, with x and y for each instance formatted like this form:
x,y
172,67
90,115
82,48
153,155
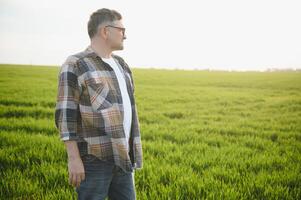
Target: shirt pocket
x,y
98,92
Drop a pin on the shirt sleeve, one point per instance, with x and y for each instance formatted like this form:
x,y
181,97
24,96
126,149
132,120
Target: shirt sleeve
x,y
67,105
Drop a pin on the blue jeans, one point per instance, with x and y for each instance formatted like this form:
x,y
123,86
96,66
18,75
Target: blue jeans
x,y
103,179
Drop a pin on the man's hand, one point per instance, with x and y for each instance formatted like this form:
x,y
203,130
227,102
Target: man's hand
x,y
75,164
76,171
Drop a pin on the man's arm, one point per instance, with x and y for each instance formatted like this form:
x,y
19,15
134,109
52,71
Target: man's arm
x,y
75,164
66,116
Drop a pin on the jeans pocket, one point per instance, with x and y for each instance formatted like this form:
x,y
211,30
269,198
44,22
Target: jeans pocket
x,y
88,158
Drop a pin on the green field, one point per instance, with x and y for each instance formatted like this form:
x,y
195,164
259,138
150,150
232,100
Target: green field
x,y
206,135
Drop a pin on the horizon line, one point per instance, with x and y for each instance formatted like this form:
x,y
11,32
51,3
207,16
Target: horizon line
x,y
268,69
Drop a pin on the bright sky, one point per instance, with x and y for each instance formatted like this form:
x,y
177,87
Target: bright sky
x,y
232,34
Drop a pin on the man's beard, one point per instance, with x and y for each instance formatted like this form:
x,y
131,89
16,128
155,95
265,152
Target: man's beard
x,y
119,47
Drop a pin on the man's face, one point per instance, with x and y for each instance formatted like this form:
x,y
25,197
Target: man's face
x,y
116,35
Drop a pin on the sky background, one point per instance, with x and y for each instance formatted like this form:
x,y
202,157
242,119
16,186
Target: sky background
x,y
190,34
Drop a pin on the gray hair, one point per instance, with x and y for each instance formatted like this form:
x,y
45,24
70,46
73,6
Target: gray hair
x,y
100,17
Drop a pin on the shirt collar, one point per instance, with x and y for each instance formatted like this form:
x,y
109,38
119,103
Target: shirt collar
x,y
90,51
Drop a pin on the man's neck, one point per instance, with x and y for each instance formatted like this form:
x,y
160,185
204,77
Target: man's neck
x,y
101,50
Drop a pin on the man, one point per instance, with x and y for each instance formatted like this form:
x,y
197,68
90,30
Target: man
x,y
96,114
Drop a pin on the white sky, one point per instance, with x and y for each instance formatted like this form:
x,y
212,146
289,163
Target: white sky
x,y
225,34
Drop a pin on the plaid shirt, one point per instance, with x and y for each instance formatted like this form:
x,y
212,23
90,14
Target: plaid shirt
x,y
89,110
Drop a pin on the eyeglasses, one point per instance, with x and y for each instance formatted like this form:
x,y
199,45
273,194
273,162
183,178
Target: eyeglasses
x,y
120,28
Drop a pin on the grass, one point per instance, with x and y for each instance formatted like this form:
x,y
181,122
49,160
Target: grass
x,y
206,135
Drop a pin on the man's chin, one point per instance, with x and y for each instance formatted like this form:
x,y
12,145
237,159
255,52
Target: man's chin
x,y
119,48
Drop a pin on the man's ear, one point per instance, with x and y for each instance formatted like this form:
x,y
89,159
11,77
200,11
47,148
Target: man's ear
x,y
103,33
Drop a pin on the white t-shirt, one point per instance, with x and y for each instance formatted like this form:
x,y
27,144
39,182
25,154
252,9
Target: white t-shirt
x,y
127,106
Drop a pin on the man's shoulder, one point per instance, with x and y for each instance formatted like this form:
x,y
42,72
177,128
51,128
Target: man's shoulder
x,y
71,63
78,56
